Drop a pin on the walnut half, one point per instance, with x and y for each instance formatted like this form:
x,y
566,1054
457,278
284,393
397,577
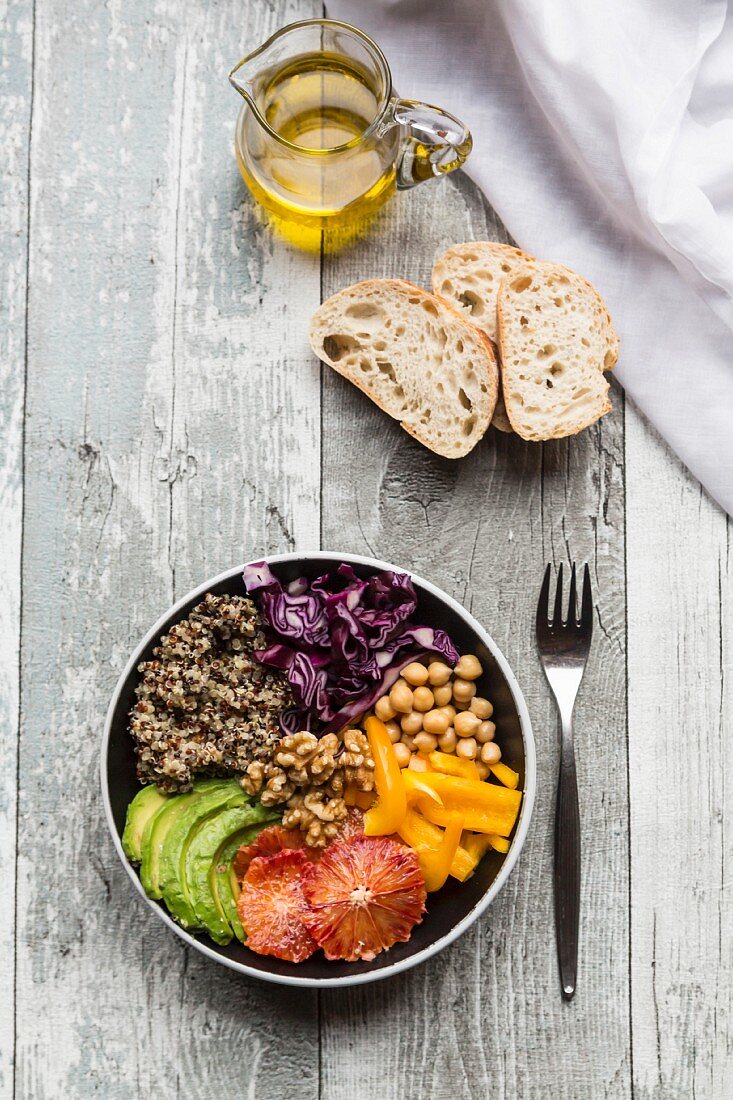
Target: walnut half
x,y
310,774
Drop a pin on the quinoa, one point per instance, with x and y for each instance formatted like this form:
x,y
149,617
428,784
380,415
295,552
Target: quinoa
x,y
204,701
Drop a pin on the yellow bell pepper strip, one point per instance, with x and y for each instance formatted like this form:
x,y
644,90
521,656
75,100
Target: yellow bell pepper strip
x,y
440,816
499,843
453,765
485,807
355,797
385,817
435,812
505,775
420,834
415,787
436,864
478,844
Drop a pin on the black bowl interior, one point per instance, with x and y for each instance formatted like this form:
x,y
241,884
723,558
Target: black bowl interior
x,y
447,907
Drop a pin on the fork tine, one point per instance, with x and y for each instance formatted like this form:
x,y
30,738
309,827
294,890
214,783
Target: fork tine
x,y
572,604
557,614
586,611
543,604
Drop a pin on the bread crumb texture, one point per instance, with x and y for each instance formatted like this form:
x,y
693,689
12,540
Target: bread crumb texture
x,y
557,339
415,357
468,275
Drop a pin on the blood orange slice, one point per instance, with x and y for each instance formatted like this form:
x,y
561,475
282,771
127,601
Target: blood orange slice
x,y
271,906
366,894
267,843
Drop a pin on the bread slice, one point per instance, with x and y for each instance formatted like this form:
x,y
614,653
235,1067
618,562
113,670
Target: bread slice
x,y
414,356
556,340
468,276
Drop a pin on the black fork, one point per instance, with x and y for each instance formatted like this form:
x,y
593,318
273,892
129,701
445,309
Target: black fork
x,y
563,645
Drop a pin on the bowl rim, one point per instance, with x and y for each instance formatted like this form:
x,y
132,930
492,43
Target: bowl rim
x,y
530,773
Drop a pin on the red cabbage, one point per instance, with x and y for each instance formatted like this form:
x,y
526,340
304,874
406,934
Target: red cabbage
x,y
341,641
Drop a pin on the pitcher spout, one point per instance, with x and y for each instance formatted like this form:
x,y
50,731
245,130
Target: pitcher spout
x,y
242,78
247,72
236,79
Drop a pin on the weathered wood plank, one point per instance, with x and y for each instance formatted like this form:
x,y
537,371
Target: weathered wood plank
x,y
486,1018
173,428
680,729
16,63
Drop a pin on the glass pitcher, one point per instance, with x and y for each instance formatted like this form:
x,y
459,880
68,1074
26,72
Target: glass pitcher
x,y
322,140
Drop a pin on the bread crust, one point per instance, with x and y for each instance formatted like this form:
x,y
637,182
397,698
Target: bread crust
x,y
604,404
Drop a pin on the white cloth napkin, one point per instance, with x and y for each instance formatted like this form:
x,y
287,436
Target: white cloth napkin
x,y
603,137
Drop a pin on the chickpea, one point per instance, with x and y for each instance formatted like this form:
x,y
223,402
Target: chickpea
x,y
438,673
418,763
403,755
447,742
426,742
394,731
466,724
422,699
467,748
481,707
411,723
384,709
486,732
435,721
408,741
463,691
415,674
400,697
450,712
469,667
442,695
491,753
483,769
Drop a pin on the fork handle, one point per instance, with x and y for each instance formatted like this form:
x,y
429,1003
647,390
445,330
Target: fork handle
x,y
567,871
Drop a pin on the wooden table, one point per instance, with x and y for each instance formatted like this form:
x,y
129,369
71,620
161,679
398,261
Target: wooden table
x,y
162,419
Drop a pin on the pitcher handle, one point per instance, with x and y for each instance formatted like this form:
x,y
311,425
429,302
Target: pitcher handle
x,y
433,142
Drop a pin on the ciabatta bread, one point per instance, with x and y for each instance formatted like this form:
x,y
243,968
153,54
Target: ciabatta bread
x,y
556,339
468,276
415,356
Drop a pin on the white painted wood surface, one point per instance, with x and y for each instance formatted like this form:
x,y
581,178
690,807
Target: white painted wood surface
x,y
680,677
172,421
15,108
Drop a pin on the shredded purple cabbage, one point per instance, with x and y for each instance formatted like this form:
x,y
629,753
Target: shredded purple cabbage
x,y
341,641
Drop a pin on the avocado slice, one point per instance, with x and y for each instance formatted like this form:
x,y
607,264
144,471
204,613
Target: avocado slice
x,y
225,882
143,807
203,850
203,805
157,830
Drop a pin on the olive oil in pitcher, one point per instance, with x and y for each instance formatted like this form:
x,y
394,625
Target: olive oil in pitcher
x,y
321,169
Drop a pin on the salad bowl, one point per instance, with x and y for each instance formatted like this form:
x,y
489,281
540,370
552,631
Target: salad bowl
x,y
451,910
